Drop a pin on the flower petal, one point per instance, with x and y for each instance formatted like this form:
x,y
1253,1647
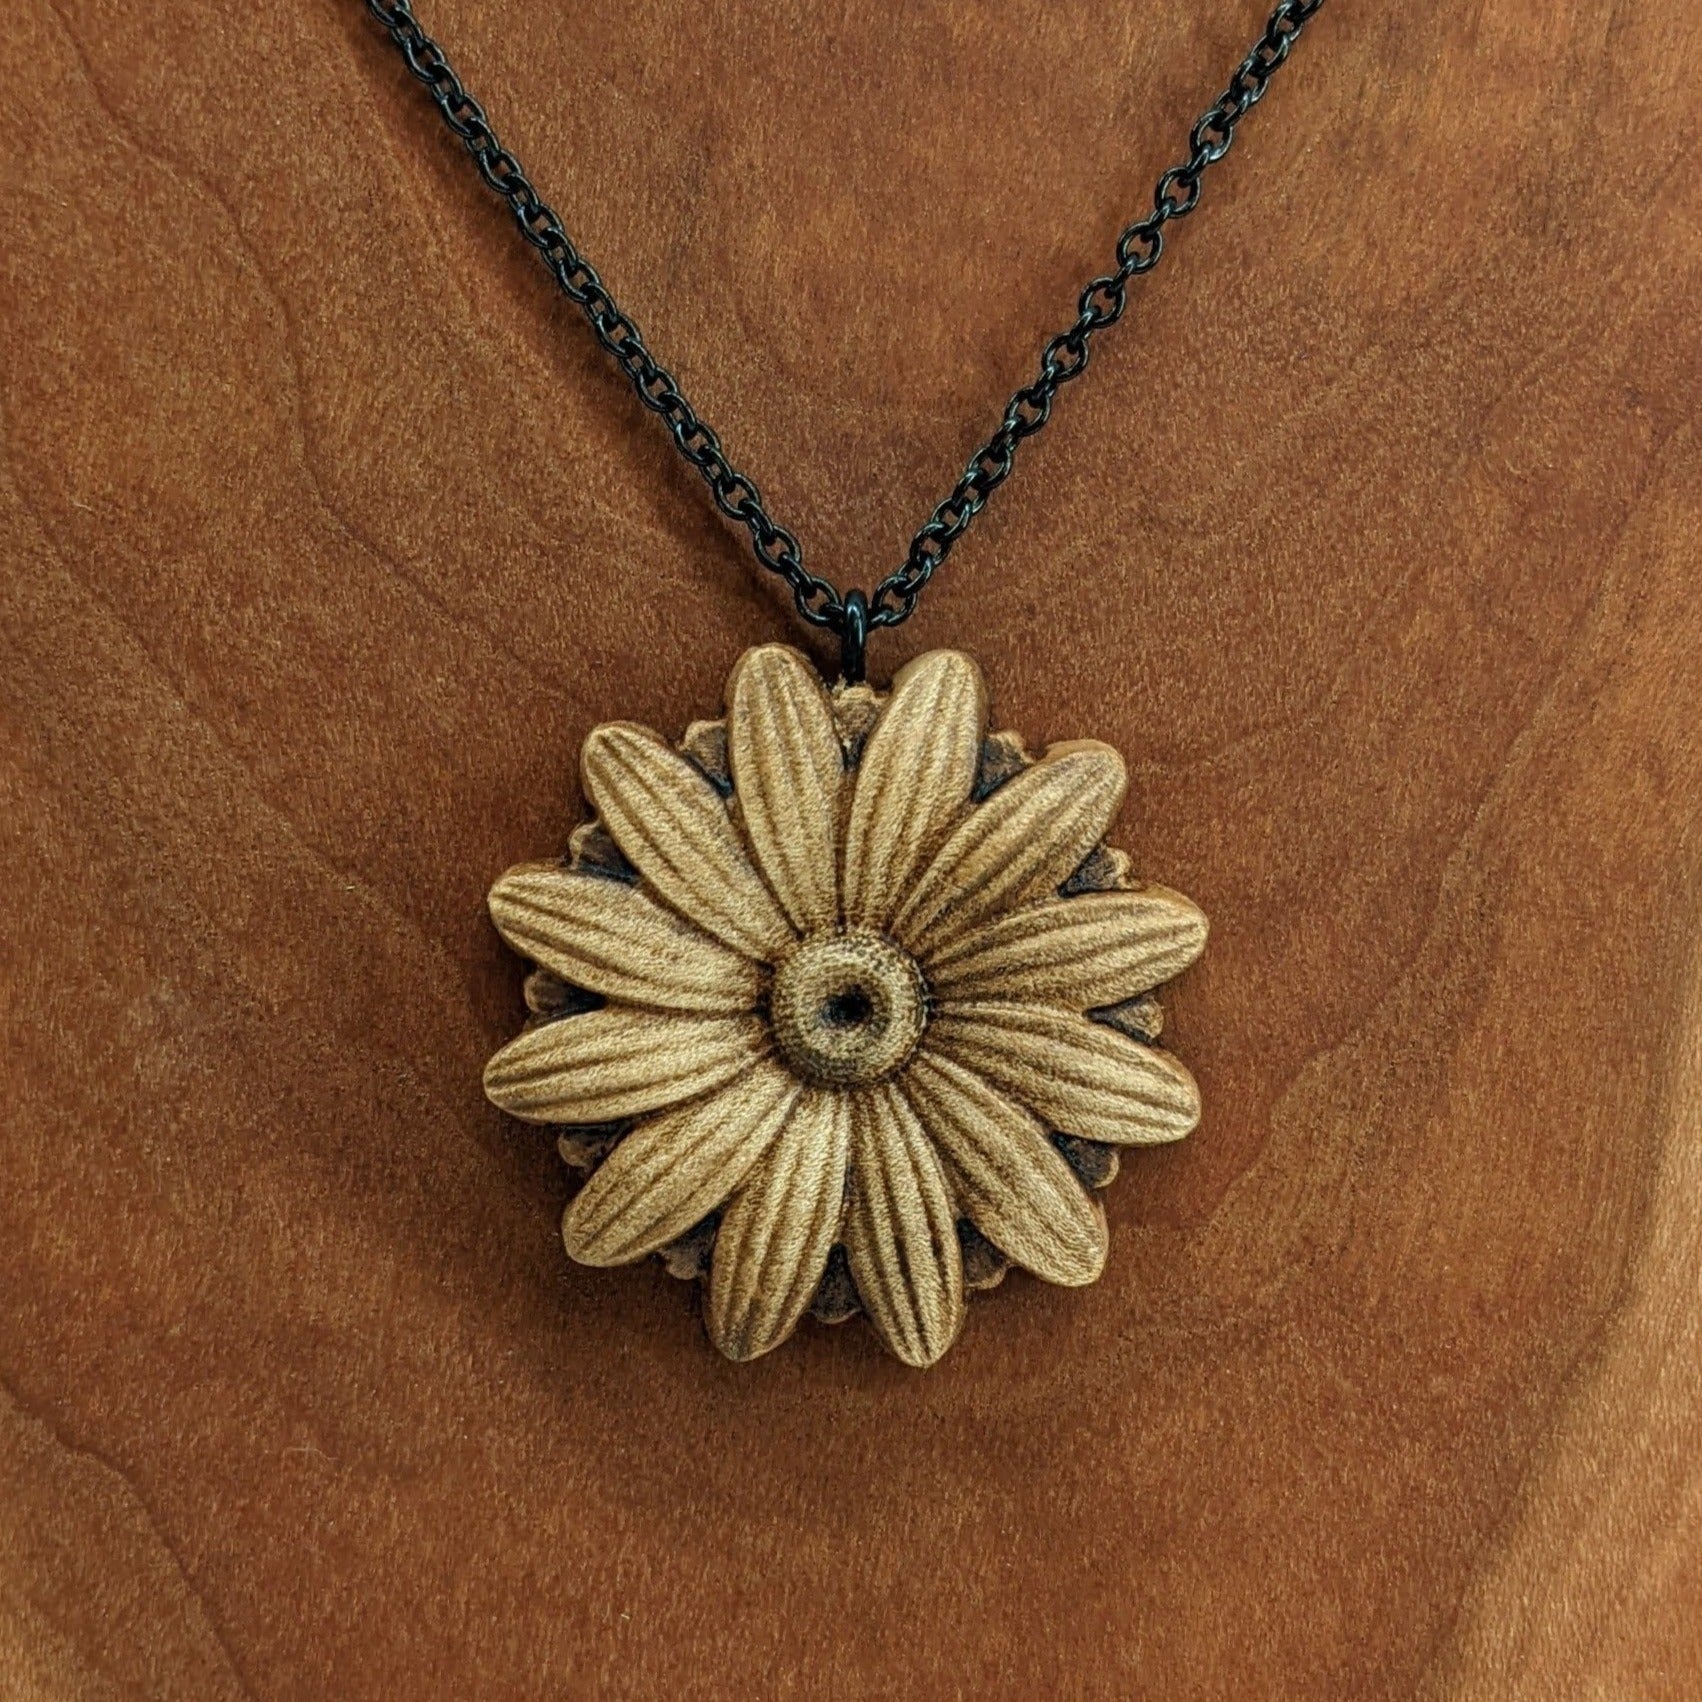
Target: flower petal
x,y
1016,1187
773,1243
618,1062
901,1229
787,766
1023,843
674,1170
1079,1077
913,782
1080,953
607,936
672,825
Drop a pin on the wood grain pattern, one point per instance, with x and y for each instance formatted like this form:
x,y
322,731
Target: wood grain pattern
x,y
1372,538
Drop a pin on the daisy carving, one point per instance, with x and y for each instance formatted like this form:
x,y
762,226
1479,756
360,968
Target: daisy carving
x,y
856,1003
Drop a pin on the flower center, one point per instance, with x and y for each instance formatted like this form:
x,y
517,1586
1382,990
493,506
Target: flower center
x,y
847,1008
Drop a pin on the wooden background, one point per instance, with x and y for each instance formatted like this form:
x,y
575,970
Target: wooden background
x,y
1373,540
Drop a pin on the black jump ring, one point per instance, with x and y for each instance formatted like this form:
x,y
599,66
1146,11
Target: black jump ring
x,y
853,637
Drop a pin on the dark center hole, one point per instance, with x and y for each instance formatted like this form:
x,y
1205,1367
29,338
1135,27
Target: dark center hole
x,y
848,1009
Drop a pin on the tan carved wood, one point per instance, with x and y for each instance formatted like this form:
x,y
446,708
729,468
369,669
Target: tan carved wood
x,y
870,1005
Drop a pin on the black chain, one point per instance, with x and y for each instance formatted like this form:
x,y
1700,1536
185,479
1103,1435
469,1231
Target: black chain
x,y
853,615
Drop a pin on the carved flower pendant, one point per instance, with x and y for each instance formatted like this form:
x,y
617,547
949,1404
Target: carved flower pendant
x,y
844,1004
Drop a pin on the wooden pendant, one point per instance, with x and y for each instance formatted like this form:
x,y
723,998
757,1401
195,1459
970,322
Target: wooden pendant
x,y
843,1004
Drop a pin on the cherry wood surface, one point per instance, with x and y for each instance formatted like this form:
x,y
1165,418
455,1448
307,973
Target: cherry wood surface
x,y
1371,538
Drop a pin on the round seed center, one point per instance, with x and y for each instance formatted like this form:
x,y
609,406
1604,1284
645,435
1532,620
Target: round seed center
x,y
847,1008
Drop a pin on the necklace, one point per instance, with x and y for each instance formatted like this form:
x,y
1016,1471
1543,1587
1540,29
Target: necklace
x,y
841,1001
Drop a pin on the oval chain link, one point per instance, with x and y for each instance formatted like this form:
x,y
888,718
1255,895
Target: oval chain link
x,y
735,493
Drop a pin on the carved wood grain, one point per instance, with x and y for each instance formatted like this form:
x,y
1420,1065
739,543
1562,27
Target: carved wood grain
x,y
1372,539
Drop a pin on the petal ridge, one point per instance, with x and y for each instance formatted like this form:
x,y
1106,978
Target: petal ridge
x,y
1081,953
672,1170
600,1066
675,829
613,939
1016,1187
1022,844
774,1241
1078,1076
787,765
913,782
901,1230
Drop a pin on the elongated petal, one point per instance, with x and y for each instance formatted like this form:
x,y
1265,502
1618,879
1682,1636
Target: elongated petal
x,y
787,766
1017,1189
674,1170
773,1243
901,1229
1023,843
1079,953
606,935
913,782
673,827
1079,1077
619,1062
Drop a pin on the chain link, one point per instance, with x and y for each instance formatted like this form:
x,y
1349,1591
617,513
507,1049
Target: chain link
x,y
1064,358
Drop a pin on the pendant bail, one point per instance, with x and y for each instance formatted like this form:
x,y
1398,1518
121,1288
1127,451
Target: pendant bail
x,y
853,637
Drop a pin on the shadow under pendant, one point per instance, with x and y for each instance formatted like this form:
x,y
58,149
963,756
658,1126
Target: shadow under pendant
x,y
843,1003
